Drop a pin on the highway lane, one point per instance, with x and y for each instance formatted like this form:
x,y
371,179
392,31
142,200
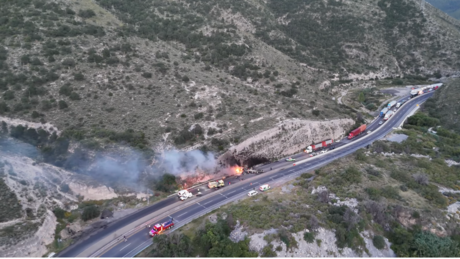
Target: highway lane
x,y
143,238
81,246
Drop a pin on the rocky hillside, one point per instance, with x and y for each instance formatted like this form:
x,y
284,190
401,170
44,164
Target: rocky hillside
x,y
96,67
445,105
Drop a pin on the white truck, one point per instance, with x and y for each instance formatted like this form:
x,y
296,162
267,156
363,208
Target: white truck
x,y
391,104
388,115
184,194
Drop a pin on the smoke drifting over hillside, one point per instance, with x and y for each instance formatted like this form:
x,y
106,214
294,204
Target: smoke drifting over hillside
x,y
181,163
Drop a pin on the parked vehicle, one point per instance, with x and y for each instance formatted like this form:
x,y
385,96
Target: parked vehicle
x,y
252,193
264,187
318,146
159,228
184,194
217,184
357,131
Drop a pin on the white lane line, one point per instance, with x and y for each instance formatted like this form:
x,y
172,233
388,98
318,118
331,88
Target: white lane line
x,y
201,205
125,246
223,195
208,202
137,247
182,214
174,219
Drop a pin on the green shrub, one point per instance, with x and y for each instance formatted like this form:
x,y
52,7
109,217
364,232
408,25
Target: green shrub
x,y
79,77
59,213
88,13
267,251
378,242
352,175
309,237
90,212
62,105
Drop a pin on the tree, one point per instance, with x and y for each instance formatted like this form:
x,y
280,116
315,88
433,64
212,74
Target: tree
x,y
361,97
62,105
90,212
88,13
79,76
421,178
430,245
378,242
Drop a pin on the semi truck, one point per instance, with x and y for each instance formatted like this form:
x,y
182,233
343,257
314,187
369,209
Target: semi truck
x,y
184,194
383,112
420,91
357,131
215,184
318,146
388,115
391,104
159,228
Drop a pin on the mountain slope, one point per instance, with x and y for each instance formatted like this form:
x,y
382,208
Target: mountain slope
x,y
450,7
445,105
223,68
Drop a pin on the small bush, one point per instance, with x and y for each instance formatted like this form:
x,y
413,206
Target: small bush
x,y
79,77
62,105
147,75
416,215
378,242
88,13
309,237
90,212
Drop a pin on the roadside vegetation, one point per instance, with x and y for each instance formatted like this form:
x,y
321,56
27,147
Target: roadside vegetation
x,y
397,198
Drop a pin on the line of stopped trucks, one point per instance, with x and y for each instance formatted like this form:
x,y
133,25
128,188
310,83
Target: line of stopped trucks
x,y
318,148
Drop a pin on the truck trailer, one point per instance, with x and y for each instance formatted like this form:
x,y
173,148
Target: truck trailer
x,y
388,115
383,112
357,131
318,146
391,104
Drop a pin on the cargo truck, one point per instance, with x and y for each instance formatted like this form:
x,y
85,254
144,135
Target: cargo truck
x,y
388,115
159,228
383,112
357,131
391,104
217,184
318,146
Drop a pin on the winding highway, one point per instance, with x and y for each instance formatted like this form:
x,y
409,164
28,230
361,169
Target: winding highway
x,y
108,242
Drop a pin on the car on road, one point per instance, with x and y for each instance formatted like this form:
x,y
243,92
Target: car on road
x,y
290,159
252,193
380,122
323,151
369,132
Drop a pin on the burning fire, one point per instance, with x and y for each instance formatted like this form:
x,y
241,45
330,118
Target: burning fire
x,y
238,170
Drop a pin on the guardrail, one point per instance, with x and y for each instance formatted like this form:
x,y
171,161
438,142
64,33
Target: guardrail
x,y
277,182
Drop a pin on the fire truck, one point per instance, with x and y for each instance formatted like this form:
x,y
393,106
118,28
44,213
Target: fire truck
x,y
159,228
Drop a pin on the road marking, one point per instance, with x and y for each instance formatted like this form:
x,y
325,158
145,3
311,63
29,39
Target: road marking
x,y
125,246
174,219
223,195
207,203
182,214
201,205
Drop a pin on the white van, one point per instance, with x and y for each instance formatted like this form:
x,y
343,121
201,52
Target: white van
x,y
264,187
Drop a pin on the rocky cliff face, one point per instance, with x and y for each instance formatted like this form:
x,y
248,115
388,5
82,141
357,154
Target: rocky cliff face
x,y
289,137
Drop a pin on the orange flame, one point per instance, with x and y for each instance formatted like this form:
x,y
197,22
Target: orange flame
x,y
238,170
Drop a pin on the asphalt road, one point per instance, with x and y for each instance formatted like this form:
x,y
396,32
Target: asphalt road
x,y
138,241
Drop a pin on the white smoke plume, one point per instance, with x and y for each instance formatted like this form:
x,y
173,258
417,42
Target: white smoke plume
x,y
182,163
